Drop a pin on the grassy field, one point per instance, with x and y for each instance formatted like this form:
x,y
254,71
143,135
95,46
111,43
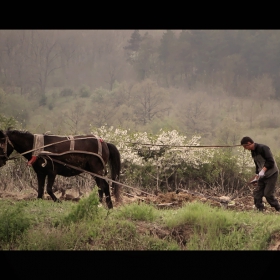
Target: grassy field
x,y
45,225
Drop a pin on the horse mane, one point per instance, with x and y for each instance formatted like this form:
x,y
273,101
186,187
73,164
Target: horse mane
x,y
18,132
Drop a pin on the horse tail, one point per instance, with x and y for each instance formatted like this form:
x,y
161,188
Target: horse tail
x,y
115,166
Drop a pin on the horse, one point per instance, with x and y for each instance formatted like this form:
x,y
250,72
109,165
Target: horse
x,y
64,155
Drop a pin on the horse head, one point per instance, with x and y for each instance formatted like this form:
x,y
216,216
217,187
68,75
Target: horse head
x,y
6,148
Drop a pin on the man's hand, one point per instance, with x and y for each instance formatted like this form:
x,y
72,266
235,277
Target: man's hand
x,y
261,174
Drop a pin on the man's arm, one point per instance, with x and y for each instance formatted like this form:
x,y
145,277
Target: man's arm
x,y
257,171
267,155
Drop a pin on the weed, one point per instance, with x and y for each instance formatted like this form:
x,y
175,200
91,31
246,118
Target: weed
x,y
87,208
134,211
13,222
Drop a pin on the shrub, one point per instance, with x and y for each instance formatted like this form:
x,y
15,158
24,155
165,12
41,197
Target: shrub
x,y
13,223
6,122
43,101
66,92
85,92
51,106
87,208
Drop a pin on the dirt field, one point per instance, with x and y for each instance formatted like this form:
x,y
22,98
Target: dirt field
x,y
162,200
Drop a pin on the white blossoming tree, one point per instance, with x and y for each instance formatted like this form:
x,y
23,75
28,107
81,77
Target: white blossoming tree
x,y
152,160
165,160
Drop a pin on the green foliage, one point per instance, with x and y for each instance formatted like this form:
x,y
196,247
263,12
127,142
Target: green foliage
x,y
29,225
100,95
6,122
134,41
217,229
87,208
13,222
121,234
223,169
51,106
166,47
197,213
43,100
186,58
134,211
84,91
71,237
154,244
115,235
66,92
143,60
166,160
139,175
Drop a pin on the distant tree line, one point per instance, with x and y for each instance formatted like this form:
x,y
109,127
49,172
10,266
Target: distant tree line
x,y
218,84
228,57
33,60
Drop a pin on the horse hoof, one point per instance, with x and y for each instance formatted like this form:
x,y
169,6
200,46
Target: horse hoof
x,y
110,205
58,201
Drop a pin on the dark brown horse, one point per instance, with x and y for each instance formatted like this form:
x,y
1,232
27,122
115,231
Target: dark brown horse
x,y
60,155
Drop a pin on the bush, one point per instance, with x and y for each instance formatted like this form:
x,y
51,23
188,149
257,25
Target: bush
x,y
5,122
43,100
85,92
100,94
66,92
87,208
176,164
51,106
13,223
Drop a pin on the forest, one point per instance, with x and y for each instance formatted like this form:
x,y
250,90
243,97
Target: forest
x,y
219,84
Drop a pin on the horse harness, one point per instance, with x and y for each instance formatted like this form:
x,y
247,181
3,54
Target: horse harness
x,y
4,146
72,143
38,148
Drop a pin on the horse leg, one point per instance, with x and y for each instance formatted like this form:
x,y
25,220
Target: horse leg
x,y
100,189
100,192
104,187
51,178
41,184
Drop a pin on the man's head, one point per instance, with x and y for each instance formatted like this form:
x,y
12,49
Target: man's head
x,y
247,143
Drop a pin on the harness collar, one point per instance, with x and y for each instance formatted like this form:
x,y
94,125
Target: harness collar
x,y
5,147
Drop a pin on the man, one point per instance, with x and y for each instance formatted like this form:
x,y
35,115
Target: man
x,y
266,173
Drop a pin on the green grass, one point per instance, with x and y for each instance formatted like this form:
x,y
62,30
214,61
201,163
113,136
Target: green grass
x,y
87,209
135,211
45,225
13,222
219,229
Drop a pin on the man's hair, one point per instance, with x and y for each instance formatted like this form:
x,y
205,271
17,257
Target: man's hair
x,y
246,139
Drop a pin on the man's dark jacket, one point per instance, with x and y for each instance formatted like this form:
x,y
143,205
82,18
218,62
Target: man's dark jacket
x,y
263,158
